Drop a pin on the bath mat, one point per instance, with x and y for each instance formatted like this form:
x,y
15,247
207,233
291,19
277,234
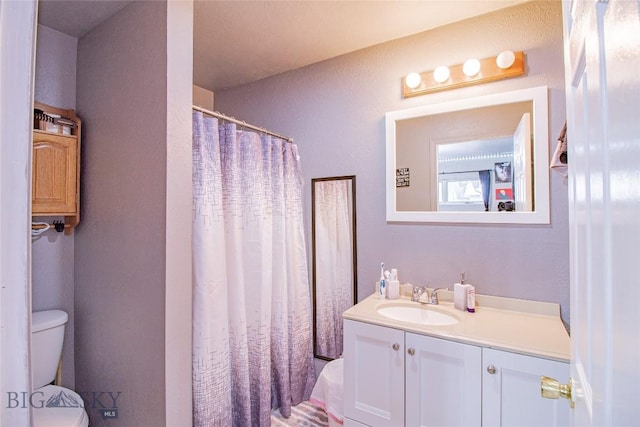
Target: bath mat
x,y
303,415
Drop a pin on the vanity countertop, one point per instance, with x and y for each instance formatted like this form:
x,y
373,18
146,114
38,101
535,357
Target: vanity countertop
x,y
527,327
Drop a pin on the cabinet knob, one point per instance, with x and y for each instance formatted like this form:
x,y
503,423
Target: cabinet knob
x,y
396,346
491,369
411,351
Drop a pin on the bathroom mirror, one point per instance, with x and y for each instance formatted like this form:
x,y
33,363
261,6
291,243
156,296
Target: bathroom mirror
x,y
333,237
474,160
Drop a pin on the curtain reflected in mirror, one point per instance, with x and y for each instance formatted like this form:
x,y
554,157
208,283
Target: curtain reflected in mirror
x,y
333,235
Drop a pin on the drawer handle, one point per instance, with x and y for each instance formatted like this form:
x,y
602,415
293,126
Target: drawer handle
x,y
396,346
491,369
411,351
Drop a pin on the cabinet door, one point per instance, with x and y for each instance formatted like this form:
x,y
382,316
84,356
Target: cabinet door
x,y
373,374
443,382
511,391
55,160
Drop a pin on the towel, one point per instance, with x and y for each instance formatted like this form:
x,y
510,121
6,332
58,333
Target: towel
x,y
559,158
328,392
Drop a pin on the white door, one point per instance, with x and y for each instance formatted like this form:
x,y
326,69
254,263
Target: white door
x,y
443,382
511,391
522,174
17,51
602,63
373,374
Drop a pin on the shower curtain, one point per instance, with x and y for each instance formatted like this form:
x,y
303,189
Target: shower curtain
x,y
334,263
252,338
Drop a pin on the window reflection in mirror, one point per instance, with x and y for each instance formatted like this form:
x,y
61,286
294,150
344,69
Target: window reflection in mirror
x,y
333,235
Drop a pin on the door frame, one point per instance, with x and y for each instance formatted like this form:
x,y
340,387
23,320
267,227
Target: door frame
x,y
17,61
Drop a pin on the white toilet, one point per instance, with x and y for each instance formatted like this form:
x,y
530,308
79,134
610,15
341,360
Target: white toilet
x,y
328,392
53,406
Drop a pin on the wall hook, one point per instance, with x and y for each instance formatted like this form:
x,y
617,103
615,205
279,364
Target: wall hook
x,y
59,225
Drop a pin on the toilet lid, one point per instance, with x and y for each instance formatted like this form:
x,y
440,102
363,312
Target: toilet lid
x,y
55,406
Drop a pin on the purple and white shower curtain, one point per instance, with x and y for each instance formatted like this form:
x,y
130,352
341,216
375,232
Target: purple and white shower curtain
x,y
252,338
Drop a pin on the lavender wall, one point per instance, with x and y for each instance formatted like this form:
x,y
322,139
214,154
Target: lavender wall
x,y
335,111
56,68
53,253
120,244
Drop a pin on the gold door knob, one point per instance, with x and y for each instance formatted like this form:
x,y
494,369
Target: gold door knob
x,y
396,346
552,389
411,351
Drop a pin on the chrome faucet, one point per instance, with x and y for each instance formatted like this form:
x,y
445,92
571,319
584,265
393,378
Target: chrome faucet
x,y
417,291
433,296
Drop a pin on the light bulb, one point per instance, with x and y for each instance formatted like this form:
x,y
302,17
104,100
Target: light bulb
x,y
471,67
441,74
413,80
505,59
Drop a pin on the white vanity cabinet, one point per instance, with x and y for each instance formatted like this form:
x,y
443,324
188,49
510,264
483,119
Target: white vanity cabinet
x,y
397,378
393,378
373,375
511,390
443,382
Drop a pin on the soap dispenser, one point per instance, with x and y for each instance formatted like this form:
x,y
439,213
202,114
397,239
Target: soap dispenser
x,y
460,291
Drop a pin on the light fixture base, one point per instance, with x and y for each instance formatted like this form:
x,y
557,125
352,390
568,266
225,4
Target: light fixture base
x,y
489,72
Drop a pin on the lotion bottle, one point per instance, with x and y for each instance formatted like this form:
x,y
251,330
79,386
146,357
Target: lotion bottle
x,y
471,299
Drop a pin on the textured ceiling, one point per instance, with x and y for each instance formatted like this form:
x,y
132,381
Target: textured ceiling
x,y
76,17
242,41
236,42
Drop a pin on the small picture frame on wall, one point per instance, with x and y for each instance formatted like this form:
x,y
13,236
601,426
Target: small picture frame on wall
x,y
402,177
502,172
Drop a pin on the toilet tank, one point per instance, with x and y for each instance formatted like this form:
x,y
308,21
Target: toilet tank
x,y
47,336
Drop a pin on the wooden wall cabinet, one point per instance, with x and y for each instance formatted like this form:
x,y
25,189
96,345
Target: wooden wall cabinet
x,y
56,171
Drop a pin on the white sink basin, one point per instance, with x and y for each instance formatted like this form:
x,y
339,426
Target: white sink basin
x,y
422,315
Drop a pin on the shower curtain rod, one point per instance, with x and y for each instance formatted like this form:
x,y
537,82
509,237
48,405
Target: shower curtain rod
x,y
449,173
241,123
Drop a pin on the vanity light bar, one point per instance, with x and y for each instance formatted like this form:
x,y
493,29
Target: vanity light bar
x,y
489,72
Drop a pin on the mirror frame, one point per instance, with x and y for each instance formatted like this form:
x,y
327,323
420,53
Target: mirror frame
x,y
540,155
354,257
